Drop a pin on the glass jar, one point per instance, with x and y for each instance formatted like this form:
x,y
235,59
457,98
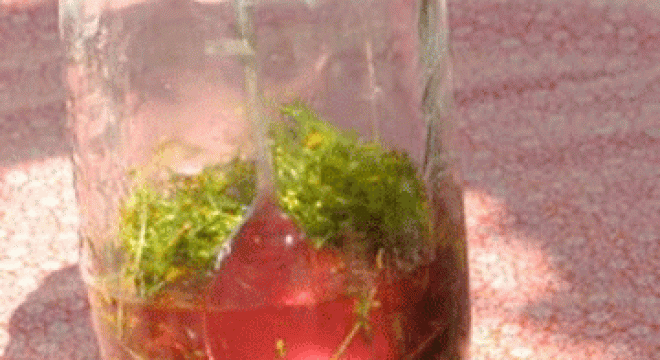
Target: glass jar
x,y
267,179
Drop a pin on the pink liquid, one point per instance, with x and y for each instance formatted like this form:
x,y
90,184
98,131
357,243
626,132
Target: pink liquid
x,y
298,332
275,297
279,297
400,326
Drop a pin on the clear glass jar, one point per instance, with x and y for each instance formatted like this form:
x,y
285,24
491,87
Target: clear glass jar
x,y
267,179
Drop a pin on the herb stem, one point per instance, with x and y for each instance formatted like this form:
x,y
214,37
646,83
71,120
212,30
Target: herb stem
x,y
361,322
141,241
347,341
439,329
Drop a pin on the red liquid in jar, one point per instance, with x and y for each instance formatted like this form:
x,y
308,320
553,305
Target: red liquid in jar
x,y
276,297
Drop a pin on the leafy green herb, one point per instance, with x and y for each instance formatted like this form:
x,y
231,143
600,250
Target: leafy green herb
x,y
172,232
343,192
340,188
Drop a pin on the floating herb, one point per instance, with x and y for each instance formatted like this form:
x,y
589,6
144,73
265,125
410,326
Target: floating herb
x,y
340,188
173,232
343,192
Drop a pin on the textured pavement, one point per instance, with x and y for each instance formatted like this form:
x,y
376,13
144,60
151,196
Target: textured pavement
x,y
558,105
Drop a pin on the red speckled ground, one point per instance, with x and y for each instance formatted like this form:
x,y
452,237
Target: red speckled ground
x,y
559,110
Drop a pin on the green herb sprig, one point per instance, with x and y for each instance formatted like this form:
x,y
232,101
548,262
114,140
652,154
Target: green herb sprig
x,y
172,232
341,188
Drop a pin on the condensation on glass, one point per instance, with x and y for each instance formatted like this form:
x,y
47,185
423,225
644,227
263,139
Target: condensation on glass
x,y
161,91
